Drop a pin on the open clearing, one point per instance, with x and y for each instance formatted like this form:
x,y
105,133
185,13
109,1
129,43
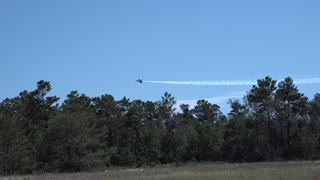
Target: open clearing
x,y
196,171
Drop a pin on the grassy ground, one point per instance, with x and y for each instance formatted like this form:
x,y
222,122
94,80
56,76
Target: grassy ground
x,y
197,171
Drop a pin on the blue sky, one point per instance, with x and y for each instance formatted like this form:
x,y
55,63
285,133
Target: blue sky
x,y
101,47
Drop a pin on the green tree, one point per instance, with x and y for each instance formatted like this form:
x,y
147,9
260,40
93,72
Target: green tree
x,y
151,134
234,148
312,138
261,105
70,136
14,154
108,128
131,143
35,110
166,117
292,106
209,131
206,112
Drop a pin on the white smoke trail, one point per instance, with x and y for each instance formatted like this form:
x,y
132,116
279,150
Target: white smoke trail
x,y
307,81
211,83
230,83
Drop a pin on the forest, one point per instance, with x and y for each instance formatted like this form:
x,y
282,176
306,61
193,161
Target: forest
x,y
273,122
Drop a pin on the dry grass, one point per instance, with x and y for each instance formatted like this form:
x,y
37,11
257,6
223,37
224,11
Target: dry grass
x,y
197,171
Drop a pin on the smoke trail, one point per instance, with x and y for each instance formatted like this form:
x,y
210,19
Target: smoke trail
x,y
210,83
230,83
307,81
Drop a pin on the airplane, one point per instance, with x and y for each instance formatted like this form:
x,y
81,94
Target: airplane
x,y
139,81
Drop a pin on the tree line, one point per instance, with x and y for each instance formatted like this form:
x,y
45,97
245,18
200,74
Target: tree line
x,y
273,122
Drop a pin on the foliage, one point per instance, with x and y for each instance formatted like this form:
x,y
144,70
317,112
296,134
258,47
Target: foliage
x,y
273,122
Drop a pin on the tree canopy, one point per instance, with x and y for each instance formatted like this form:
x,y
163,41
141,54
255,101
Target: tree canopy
x,y
273,122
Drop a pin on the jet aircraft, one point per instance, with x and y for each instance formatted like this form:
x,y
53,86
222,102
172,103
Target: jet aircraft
x,y
139,81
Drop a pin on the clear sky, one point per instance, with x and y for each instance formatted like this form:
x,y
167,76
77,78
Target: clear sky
x,y
102,46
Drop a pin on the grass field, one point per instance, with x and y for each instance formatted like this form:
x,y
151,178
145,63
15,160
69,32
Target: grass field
x,y
197,171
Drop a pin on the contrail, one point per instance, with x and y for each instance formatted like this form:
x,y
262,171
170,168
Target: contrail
x,y
230,83
307,81
210,83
